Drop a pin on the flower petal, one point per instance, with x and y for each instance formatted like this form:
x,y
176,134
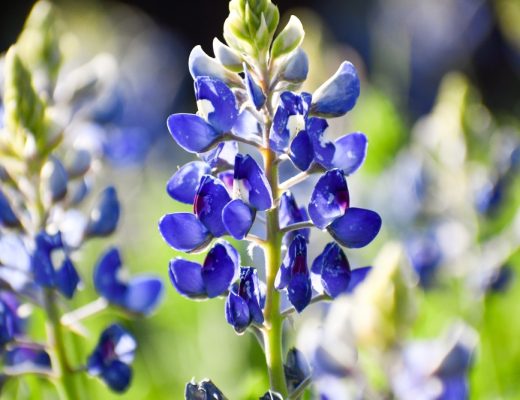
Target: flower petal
x,y
337,95
222,156
237,312
296,68
186,277
103,218
24,359
299,291
351,151
357,276
219,269
329,199
288,214
143,295
254,187
238,218
335,272
254,91
323,149
200,64
249,290
106,281
216,103
7,216
301,151
67,278
212,196
357,228
192,132
184,183
117,375
184,232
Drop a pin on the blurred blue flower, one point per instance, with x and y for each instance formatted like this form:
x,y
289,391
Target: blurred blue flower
x,y
140,295
112,357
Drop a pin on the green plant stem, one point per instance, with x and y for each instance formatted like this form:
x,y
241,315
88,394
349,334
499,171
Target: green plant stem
x,y
273,319
66,386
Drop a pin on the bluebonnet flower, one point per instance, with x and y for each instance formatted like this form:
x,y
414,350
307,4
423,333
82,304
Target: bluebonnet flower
x,y
204,390
254,195
65,278
333,269
7,215
104,216
294,274
330,208
296,368
425,256
26,358
243,304
11,324
112,357
211,279
140,295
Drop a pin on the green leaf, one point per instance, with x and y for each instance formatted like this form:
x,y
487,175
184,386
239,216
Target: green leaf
x,y
289,39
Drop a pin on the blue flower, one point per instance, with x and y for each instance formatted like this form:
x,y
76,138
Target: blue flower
x,y
192,232
26,359
330,208
140,295
66,278
243,304
255,195
294,274
289,213
112,357
333,269
254,91
211,279
11,325
302,136
218,113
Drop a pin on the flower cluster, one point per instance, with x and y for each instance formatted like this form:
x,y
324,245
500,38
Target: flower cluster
x,y
45,183
250,110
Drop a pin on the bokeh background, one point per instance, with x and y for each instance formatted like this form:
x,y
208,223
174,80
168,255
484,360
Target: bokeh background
x,y
440,104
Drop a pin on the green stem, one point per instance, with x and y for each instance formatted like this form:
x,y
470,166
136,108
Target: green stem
x,y
273,319
66,385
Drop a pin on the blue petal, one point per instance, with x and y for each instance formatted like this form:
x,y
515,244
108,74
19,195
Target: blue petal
x,y
54,180
350,153
301,151
104,216
7,216
106,280
219,269
216,103
335,272
117,375
338,95
357,276
299,291
42,268
79,164
212,196
186,277
25,358
115,343
297,67
227,178
288,214
254,91
289,119
184,232
317,264
249,290
329,199
192,132
357,228
279,134
323,149
254,187
143,295
67,278
222,156
183,185
238,218
237,312
247,125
